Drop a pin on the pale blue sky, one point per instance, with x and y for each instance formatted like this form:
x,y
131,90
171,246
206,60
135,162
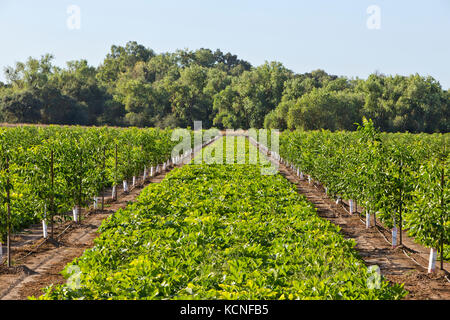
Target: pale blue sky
x,y
303,35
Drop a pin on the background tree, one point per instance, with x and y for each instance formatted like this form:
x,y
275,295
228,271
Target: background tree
x,y
138,87
21,107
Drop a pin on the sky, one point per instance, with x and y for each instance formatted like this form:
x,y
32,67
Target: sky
x,y
342,37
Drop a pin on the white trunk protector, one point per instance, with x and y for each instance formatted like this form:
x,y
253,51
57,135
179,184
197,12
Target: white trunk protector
x,y
394,237
432,260
76,213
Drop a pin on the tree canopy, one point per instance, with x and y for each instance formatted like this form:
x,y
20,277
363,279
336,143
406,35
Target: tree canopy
x,y
135,86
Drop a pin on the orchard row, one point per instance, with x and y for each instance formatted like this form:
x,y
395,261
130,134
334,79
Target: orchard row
x,y
47,171
221,231
400,179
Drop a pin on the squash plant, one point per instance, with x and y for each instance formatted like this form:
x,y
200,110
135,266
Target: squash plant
x,y
221,232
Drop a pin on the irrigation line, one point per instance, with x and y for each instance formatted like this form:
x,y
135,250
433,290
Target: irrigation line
x,y
445,276
414,260
384,237
43,242
377,227
64,231
91,210
32,251
387,240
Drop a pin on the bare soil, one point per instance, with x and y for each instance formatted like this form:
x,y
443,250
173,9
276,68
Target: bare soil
x,y
404,264
37,263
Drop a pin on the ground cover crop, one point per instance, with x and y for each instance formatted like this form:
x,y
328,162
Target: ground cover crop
x,y
399,178
220,231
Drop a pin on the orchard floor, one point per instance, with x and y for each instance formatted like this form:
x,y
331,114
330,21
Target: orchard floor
x,y
375,250
38,268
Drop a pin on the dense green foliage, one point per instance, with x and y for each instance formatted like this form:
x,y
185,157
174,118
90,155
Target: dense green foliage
x,y
83,166
220,232
138,87
400,177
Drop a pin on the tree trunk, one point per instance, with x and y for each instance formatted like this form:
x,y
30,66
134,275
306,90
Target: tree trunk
x,y
8,217
442,206
80,196
103,179
115,195
52,196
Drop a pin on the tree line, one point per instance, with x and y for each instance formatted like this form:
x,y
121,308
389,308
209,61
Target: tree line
x,y
135,86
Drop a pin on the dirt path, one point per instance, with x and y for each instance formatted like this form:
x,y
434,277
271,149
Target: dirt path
x,y
375,250
43,267
42,261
